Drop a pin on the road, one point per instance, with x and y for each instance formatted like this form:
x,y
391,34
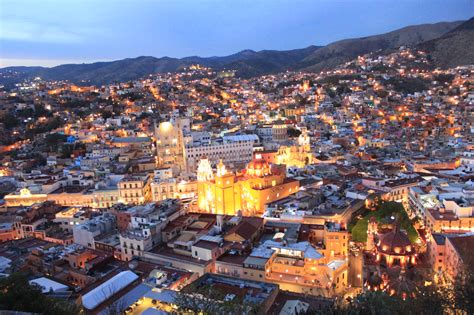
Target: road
x,y
355,270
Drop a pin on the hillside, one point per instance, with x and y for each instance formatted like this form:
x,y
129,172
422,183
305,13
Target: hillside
x,y
248,63
345,50
454,48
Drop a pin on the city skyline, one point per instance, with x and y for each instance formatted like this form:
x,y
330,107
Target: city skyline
x,y
277,177
49,34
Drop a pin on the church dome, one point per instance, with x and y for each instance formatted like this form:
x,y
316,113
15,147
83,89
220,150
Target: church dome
x,y
258,167
395,242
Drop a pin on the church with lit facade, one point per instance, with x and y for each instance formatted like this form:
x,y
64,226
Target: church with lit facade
x,y
392,248
296,155
389,260
246,192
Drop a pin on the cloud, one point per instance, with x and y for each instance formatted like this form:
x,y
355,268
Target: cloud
x,y
33,32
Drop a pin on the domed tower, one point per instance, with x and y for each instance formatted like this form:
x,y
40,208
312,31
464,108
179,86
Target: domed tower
x,y
204,171
304,141
205,177
258,168
224,188
221,170
395,248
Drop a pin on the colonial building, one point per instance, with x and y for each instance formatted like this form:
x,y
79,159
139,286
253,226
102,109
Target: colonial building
x,y
233,150
170,142
297,267
297,156
394,248
135,189
227,193
24,198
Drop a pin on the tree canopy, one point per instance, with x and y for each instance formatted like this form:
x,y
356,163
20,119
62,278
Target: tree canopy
x,y
16,294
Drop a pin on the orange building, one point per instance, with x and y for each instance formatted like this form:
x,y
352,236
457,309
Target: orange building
x,y
226,193
297,267
442,221
450,254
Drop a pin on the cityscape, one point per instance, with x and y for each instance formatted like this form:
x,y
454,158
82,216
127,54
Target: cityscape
x,y
264,182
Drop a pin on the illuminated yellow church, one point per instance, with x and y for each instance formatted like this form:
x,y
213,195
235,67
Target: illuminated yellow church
x,y
249,191
296,156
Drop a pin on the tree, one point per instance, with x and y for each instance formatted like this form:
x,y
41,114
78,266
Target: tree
x,y
208,300
343,88
53,139
18,295
49,125
10,121
293,132
427,300
40,110
107,114
462,290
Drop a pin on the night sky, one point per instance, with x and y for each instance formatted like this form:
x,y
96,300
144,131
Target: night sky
x,y
48,32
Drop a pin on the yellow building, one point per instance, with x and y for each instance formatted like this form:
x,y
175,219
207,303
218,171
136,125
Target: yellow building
x,y
135,189
297,156
24,198
249,192
335,239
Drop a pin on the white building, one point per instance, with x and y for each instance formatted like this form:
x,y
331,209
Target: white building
x,y
230,149
85,234
144,230
467,158
275,133
71,217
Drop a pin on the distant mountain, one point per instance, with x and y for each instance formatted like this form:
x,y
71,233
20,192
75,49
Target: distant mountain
x,y
104,72
248,63
454,48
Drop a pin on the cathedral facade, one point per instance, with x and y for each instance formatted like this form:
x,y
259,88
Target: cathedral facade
x,y
247,192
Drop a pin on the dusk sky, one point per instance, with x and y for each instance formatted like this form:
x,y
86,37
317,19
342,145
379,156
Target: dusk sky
x,y
51,32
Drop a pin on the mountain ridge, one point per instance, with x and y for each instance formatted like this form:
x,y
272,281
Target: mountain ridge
x,y
247,63
454,48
